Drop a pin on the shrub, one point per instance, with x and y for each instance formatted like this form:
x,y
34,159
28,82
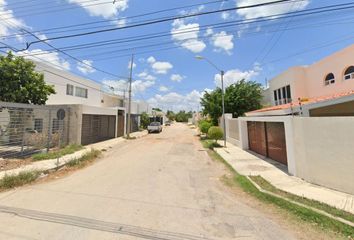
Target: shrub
x,y
204,126
215,133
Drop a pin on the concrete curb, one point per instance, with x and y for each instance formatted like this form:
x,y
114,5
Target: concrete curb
x,y
51,164
301,205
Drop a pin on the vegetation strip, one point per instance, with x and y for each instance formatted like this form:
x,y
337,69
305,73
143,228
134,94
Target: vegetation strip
x,y
265,185
304,213
55,154
23,178
300,204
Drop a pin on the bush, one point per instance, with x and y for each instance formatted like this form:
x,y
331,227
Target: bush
x,y
215,133
204,126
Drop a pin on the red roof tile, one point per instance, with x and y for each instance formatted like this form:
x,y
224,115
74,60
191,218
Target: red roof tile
x,y
305,102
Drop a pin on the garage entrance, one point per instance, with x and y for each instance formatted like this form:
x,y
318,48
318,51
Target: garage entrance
x,y
268,139
120,125
96,128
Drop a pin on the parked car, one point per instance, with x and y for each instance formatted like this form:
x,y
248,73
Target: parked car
x,y
154,127
167,123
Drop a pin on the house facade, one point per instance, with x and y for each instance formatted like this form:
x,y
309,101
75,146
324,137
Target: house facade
x,y
98,114
308,125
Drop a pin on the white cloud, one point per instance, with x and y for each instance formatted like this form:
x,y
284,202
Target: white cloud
x,y
11,21
176,101
138,86
146,76
162,67
121,22
186,35
163,89
102,8
176,78
225,15
129,64
151,60
264,11
51,58
85,67
223,42
235,75
209,31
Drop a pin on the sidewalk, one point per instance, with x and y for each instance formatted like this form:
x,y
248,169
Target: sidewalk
x,y
249,165
53,163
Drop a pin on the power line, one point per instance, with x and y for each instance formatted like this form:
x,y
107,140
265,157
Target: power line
x,y
117,19
218,25
158,21
66,54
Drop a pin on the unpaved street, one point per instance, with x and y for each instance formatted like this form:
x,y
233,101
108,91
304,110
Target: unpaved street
x,y
162,186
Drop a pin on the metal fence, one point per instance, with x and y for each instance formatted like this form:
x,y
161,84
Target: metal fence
x,y
27,129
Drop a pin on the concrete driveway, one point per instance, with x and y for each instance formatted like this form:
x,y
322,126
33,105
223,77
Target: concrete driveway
x,y
162,186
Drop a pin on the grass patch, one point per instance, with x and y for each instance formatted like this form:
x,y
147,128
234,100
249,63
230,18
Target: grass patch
x,y
11,181
86,158
211,144
59,153
312,203
307,215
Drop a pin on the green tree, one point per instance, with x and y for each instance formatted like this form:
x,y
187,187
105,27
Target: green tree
x,y
144,120
241,97
20,83
211,105
182,116
171,115
215,133
204,126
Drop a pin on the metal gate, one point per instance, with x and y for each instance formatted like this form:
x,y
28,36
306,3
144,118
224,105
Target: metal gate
x,y
96,128
268,139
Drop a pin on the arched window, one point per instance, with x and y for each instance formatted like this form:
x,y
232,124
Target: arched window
x,y
330,79
349,73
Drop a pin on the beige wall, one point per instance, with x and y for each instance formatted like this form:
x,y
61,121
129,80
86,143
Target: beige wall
x,y
336,64
324,151
308,81
320,150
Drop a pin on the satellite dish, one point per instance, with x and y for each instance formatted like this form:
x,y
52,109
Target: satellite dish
x,y
61,114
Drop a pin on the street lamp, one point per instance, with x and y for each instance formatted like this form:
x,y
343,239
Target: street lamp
x,y
222,73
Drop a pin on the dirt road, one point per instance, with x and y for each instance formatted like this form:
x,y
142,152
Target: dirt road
x,y
162,186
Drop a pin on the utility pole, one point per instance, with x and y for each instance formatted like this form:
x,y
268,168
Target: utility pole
x,y
130,95
223,105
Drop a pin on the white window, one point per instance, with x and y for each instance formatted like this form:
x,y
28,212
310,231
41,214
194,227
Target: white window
x,y
69,89
80,92
349,73
330,79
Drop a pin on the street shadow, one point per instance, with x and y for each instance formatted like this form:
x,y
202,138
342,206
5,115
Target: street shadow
x,y
276,164
94,224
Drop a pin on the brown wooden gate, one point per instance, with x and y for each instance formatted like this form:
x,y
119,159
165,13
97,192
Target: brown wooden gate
x,y
276,143
120,125
257,138
268,139
96,128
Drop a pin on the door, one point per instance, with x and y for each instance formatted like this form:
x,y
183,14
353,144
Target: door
x,y
257,137
96,128
120,125
276,142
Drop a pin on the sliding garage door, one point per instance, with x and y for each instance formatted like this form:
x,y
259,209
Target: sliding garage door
x,y
257,138
268,139
96,128
276,143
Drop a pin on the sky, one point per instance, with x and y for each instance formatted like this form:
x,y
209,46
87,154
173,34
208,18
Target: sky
x,y
254,44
